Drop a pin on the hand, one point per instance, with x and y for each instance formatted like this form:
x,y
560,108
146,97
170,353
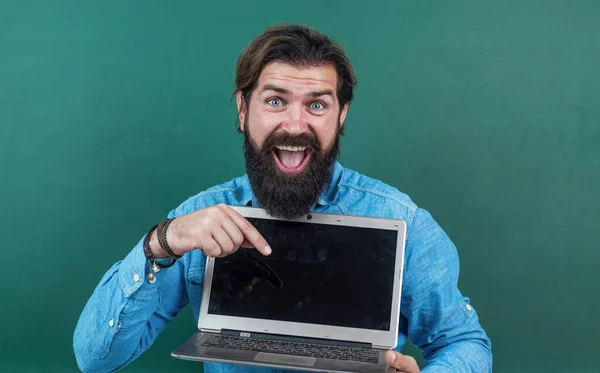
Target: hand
x,y
217,230
401,363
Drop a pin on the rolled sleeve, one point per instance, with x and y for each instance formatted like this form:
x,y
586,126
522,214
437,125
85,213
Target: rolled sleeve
x,y
124,314
133,271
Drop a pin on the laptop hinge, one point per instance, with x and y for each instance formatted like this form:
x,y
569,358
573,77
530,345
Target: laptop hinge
x,y
375,347
288,338
208,330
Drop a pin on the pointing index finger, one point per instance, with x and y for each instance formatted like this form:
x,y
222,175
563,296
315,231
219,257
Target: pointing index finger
x,y
250,232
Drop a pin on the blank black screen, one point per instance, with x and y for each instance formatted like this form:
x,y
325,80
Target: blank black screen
x,y
317,273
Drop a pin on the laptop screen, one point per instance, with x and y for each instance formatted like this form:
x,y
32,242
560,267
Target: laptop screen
x,y
318,274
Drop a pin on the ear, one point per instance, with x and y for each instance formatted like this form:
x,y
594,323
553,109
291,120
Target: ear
x,y
343,115
242,109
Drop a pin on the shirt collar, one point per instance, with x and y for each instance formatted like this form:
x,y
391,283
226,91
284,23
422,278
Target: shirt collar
x,y
245,196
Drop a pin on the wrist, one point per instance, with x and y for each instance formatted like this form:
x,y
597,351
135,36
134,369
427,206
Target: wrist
x,y
174,239
161,234
154,246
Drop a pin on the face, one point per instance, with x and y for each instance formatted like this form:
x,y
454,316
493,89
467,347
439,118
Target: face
x,y
291,127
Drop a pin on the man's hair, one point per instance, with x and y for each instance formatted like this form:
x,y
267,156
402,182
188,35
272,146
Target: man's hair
x,y
299,46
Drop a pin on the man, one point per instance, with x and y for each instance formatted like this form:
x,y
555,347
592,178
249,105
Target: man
x,y
293,89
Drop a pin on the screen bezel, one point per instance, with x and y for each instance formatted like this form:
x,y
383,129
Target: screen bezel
x,y
378,338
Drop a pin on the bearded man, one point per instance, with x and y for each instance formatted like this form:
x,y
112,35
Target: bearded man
x,y
293,87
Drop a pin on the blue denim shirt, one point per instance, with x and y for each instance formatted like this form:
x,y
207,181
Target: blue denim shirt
x,y
126,313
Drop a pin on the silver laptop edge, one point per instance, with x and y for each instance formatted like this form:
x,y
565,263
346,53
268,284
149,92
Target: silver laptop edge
x,y
377,338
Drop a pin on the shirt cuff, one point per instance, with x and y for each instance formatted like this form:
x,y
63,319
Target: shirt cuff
x,y
134,270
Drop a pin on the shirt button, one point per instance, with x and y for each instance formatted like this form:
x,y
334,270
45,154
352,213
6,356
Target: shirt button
x,y
469,307
136,277
111,323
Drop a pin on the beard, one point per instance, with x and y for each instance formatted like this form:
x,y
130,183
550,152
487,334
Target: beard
x,y
285,195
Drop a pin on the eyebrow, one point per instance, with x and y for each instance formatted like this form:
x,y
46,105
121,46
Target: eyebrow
x,y
271,87
325,92
283,91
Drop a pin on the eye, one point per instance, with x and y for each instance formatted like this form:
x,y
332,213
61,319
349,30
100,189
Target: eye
x,y
275,102
316,106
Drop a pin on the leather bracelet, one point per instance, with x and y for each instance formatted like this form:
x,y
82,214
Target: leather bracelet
x,y
148,254
162,237
154,265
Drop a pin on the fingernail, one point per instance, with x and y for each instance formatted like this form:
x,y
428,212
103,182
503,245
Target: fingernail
x,y
393,357
267,250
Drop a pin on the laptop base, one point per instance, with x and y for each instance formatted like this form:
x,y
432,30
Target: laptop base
x,y
193,350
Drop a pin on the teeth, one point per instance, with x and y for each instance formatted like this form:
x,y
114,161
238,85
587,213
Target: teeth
x,y
292,148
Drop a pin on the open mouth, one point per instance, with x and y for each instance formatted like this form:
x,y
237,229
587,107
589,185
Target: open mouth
x,y
291,159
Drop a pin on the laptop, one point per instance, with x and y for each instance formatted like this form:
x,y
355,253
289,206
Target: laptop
x,y
326,300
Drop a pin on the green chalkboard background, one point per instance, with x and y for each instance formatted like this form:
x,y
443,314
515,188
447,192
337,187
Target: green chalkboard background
x,y
487,113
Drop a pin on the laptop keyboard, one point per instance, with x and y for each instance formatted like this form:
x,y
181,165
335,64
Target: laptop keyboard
x,y
362,355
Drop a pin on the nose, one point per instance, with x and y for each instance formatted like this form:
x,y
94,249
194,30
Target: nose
x,y
296,123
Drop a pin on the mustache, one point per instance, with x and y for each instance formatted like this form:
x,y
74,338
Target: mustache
x,y
285,139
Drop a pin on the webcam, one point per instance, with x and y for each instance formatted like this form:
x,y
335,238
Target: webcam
x,y
309,216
